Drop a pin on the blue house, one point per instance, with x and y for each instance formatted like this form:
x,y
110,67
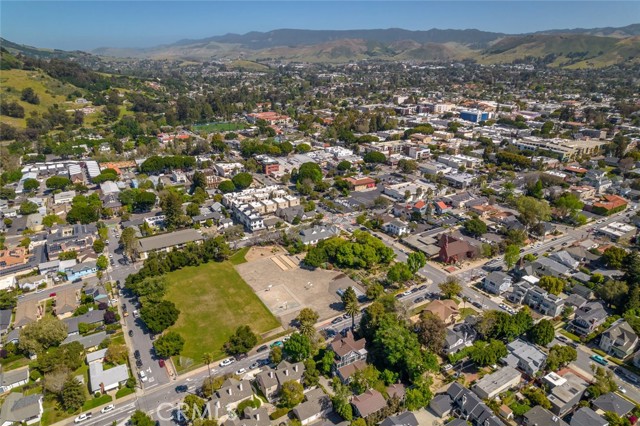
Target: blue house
x,y
81,270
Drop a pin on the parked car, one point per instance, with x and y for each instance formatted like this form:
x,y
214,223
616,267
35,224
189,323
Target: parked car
x,y
130,333
161,363
422,287
262,348
599,359
143,377
276,343
139,363
418,299
136,354
254,365
241,371
226,362
241,357
82,417
107,408
182,388
336,320
447,367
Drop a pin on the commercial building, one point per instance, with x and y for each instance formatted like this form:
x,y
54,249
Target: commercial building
x,y
167,242
474,115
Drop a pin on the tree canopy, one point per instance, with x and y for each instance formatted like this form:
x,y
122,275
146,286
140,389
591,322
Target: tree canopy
x,y
242,341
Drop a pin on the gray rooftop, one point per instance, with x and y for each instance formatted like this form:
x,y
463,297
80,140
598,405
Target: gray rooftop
x,y
18,408
162,241
587,417
495,381
613,402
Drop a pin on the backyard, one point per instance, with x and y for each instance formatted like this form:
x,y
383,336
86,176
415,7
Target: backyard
x,y
213,301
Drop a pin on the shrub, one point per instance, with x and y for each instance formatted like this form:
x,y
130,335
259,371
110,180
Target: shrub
x,y
278,413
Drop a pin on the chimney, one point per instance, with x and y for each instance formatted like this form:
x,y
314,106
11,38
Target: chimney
x,y
295,368
229,391
258,417
286,372
240,386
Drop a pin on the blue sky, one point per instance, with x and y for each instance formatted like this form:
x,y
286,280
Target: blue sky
x,y
89,24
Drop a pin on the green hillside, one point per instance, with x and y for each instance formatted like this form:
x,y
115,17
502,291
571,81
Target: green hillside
x,y
564,50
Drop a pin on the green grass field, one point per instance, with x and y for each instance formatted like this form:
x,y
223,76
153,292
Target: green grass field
x,y
219,127
213,301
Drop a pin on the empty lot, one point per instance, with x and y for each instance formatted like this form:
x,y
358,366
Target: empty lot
x,y
285,288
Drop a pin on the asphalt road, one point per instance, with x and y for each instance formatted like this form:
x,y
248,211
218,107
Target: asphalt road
x,y
141,338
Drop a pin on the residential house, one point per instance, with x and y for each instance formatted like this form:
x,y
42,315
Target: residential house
x,y
315,406
441,405
90,318
440,207
525,356
98,292
347,349
20,409
368,403
101,380
267,383
495,383
545,266
403,419
539,416
5,321
167,242
468,406
396,390
585,416
459,337
270,380
32,282
588,318
251,417
89,342
497,282
311,236
81,270
13,378
565,258
537,298
226,399
64,197
619,340
612,402
66,302
566,391
446,310
454,250
350,356
396,227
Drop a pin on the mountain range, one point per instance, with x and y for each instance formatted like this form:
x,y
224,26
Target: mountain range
x,y
574,48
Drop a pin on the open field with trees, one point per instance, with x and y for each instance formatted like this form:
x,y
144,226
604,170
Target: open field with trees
x,y
213,300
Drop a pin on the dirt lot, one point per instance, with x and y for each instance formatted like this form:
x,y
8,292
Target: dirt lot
x,y
285,288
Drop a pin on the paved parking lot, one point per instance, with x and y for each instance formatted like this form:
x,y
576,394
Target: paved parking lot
x,y
286,289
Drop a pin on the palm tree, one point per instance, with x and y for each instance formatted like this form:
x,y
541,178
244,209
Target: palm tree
x,y
350,302
207,358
